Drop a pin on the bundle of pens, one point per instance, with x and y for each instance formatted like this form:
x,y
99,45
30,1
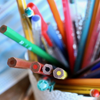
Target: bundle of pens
x,y
58,60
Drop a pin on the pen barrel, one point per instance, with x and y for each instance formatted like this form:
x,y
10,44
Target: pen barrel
x,y
18,63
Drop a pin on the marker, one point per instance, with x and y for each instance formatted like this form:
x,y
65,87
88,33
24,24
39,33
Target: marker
x,y
94,93
27,44
47,69
59,73
45,83
36,67
18,63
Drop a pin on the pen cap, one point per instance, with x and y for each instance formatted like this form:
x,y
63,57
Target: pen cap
x,y
36,22
36,67
42,85
59,73
29,12
47,69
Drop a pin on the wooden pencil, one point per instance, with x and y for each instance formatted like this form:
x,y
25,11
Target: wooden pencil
x,y
80,82
57,17
18,63
27,30
91,39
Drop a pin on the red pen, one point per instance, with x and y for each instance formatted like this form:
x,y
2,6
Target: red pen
x,y
44,25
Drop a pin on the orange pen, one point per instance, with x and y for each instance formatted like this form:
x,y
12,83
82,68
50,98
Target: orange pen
x,y
58,20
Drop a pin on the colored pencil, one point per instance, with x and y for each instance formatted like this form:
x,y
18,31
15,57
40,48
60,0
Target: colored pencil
x,y
27,44
44,25
80,82
69,87
56,40
94,74
57,17
19,63
86,25
87,68
91,39
26,27
69,34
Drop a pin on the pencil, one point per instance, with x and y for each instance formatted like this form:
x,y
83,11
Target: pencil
x,y
69,34
87,55
18,63
58,20
27,44
80,82
59,73
26,27
69,87
44,25
85,30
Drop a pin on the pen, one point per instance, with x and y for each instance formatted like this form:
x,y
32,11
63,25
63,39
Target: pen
x,y
44,25
32,47
69,34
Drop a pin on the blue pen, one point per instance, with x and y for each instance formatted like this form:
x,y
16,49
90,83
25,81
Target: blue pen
x,y
95,67
56,40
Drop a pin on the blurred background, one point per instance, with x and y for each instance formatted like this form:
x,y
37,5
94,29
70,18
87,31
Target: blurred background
x,y
9,16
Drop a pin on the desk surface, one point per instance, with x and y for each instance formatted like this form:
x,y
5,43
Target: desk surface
x,y
17,92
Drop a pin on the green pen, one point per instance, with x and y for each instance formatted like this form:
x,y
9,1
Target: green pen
x,y
32,47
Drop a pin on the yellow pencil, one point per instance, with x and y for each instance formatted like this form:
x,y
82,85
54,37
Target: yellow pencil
x,y
27,30
76,87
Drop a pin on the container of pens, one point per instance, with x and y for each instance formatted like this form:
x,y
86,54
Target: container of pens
x,y
59,69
